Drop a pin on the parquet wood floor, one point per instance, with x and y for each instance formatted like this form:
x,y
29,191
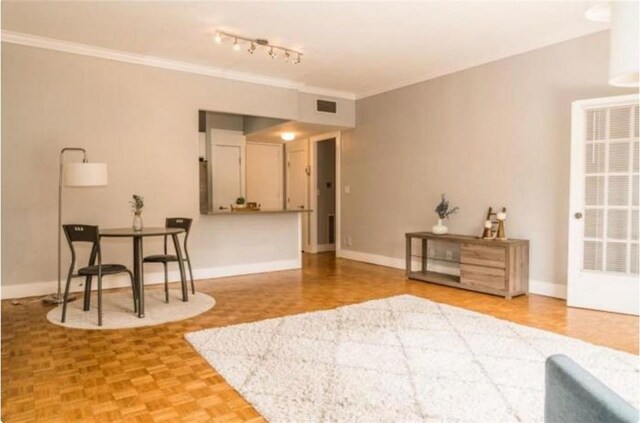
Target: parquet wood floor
x,y
152,374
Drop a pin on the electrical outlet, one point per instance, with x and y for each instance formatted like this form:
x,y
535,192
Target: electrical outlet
x,y
348,240
449,255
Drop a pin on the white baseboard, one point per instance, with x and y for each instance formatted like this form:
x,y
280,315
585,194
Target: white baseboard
x,y
547,289
321,248
150,278
396,263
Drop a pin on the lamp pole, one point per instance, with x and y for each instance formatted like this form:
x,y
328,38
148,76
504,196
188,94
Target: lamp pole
x,y
57,298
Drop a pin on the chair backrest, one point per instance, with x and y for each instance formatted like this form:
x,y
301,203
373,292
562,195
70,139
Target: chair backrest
x,y
83,233
179,222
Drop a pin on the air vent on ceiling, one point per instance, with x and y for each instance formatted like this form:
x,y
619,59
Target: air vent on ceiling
x,y
325,106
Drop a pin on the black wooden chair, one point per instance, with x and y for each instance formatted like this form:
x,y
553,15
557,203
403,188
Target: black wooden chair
x,y
166,258
87,233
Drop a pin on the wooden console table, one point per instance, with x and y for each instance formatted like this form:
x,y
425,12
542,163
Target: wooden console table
x,y
491,266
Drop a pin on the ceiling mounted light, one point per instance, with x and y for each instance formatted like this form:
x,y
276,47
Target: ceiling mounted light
x,y
254,43
624,39
599,12
288,136
624,43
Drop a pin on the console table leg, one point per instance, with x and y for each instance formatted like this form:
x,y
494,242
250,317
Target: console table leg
x,y
408,258
425,254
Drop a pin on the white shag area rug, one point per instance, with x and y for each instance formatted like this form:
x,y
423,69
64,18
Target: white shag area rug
x,y
117,310
400,359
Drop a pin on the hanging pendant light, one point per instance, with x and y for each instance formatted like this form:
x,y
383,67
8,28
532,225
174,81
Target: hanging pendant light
x,y
624,43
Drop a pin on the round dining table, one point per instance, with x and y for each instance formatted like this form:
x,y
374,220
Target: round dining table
x,y
138,271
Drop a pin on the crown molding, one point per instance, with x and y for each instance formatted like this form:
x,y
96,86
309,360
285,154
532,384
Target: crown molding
x,y
31,40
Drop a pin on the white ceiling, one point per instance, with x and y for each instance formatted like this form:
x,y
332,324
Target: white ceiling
x,y
360,48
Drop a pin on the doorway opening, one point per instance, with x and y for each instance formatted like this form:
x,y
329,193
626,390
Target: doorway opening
x,y
325,185
324,194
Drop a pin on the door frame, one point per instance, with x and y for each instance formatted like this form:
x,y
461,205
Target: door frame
x,y
313,198
599,296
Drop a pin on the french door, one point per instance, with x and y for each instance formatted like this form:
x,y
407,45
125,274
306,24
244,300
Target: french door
x,y
603,225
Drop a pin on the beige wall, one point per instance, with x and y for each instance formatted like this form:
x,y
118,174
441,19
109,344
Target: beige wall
x,y
141,121
495,135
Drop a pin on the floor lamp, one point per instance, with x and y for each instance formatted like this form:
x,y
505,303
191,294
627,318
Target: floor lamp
x,y
79,174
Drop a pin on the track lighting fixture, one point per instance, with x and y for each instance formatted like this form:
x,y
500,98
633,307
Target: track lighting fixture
x,y
272,50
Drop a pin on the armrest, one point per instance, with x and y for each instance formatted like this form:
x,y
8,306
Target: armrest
x,y
572,394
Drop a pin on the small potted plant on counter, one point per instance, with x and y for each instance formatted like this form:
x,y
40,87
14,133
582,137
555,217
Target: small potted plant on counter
x,y
239,205
443,210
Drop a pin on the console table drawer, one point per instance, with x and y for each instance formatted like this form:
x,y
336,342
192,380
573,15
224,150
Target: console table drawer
x,y
483,255
487,277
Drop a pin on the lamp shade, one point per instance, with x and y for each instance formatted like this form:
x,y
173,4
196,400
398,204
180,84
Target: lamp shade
x,y
624,44
84,174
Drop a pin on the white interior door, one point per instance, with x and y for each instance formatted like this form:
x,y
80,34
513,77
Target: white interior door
x,y
298,172
265,174
227,175
297,175
603,226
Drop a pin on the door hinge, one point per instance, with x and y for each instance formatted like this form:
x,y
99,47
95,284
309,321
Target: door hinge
x,y
307,170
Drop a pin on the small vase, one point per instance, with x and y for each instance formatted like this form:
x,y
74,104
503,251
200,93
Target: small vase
x,y
439,229
137,222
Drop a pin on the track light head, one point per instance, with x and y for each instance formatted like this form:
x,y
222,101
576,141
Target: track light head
x,y
272,53
236,45
287,56
298,59
252,48
218,38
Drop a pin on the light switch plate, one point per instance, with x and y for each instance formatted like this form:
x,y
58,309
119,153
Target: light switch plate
x,y
347,189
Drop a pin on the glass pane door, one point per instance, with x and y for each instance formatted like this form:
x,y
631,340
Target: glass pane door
x,y
611,190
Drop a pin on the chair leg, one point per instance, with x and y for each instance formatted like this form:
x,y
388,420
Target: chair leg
x,y
87,293
99,300
134,291
66,298
193,286
166,283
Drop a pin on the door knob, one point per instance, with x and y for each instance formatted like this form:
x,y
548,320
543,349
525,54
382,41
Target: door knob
x,y
578,215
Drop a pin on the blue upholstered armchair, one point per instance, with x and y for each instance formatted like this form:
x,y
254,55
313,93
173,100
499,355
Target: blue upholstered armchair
x,y
574,395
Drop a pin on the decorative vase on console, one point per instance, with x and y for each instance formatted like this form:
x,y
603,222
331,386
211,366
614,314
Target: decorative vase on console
x,y
137,204
443,211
